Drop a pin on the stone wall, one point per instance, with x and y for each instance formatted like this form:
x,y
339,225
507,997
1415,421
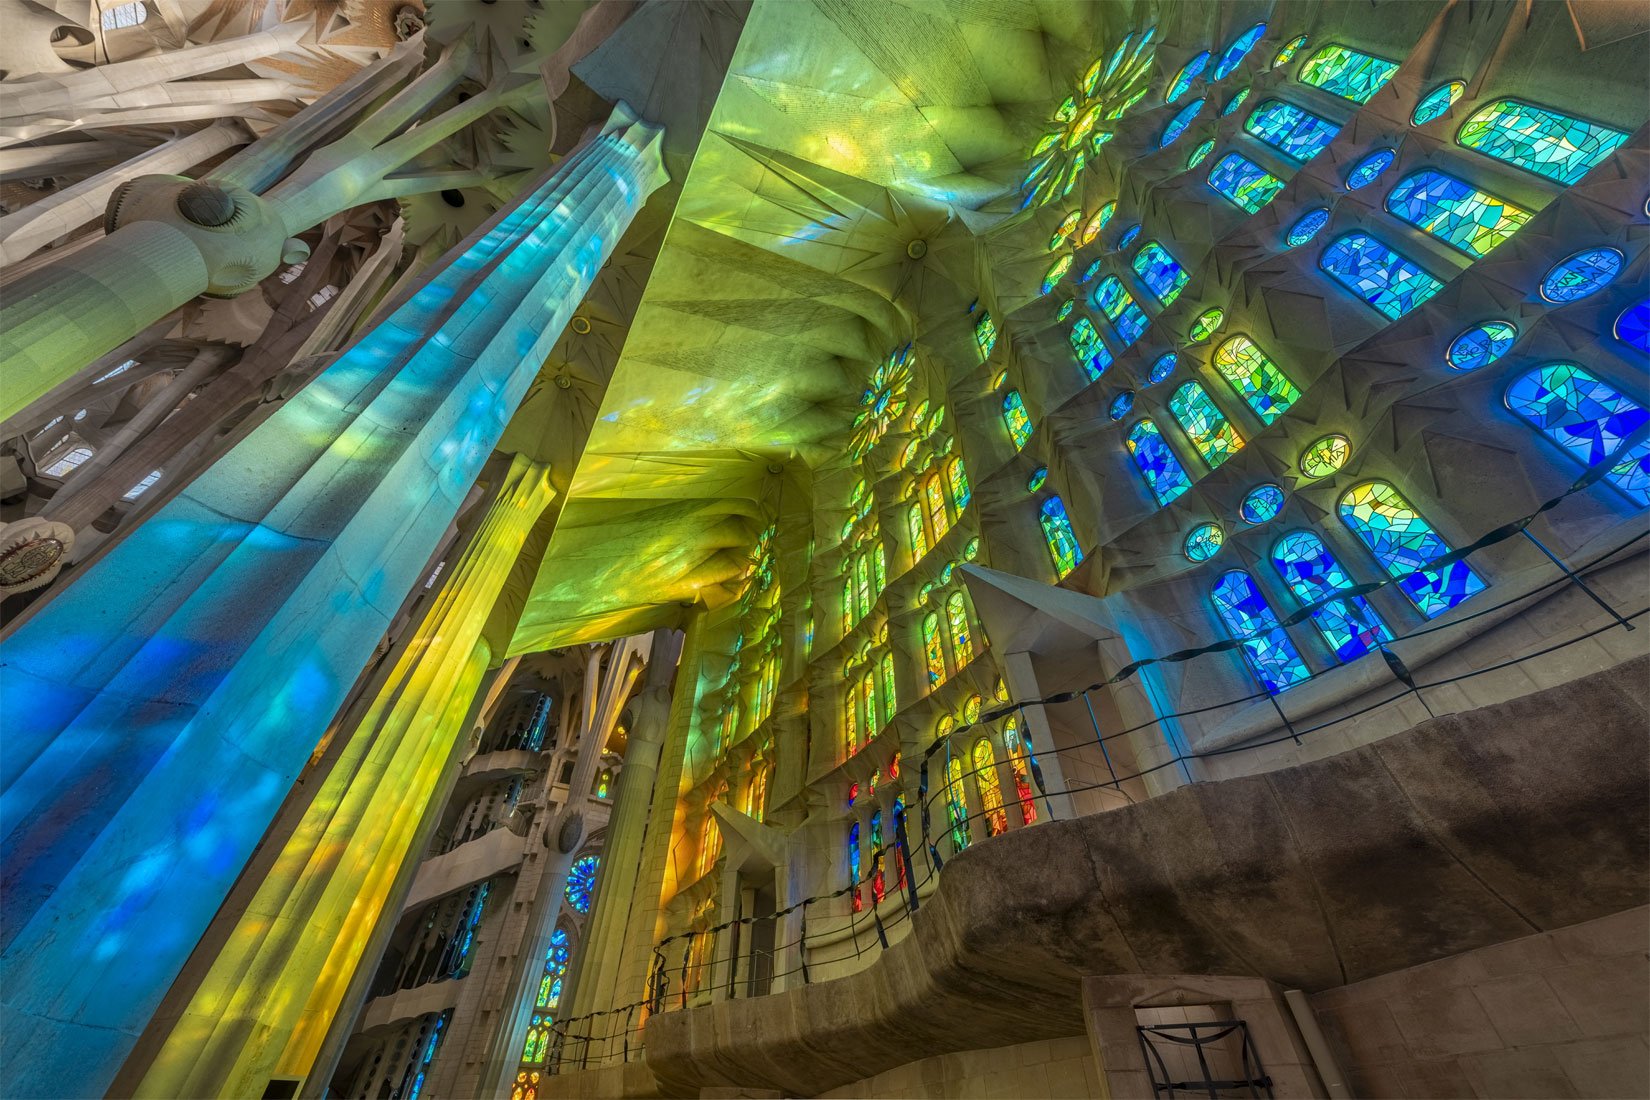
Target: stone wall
x,y
1052,1068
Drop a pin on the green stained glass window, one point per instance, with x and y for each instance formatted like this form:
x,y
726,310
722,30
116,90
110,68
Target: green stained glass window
x,y
1090,351
1325,456
1347,73
1183,79
1388,281
1205,324
1057,533
956,479
1160,271
1162,471
1472,220
956,804
1065,309
1092,228
1038,477
854,866
1403,542
1287,53
1067,226
1436,103
919,535
933,651
1204,541
1538,140
1016,419
1246,184
1056,273
1200,154
956,619
1235,102
1215,438
1257,379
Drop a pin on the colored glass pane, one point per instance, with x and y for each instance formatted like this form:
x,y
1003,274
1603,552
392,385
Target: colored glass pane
x,y
1061,539
1272,657
1436,103
1472,220
1539,140
985,335
1325,456
956,804
1632,327
1092,228
1128,236
933,651
1481,345
1204,541
1296,133
1581,275
1388,281
1287,53
1403,542
1018,759
1067,226
1205,425
1056,273
1165,476
1308,226
1232,56
1089,272
989,787
1160,271
852,724
956,479
971,709
1350,626
1120,308
581,880
971,548
1120,405
1257,379
878,887
1366,170
933,498
1587,418
1347,73
1065,309
1235,102
1090,351
854,866
1200,154
1162,367
919,535
1204,325
1038,477
1245,183
1183,79
1180,123
1261,504
868,699
1016,419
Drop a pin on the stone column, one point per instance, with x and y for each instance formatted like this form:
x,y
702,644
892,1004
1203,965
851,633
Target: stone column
x,y
160,706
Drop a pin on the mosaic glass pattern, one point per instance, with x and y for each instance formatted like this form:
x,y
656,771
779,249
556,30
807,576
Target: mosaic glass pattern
x,y
1258,380
1200,154
1090,271
1016,419
956,619
1180,123
1092,228
1120,405
1204,325
1232,56
1632,327
1347,73
985,335
1183,79
1165,476
1018,758
1402,541
919,534
1366,170
854,866
1061,539
1310,225
1235,102
956,804
1244,183
1079,124
1037,478
581,880
1388,281
1204,542
1539,140
1128,236
1160,271
933,650
1215,438
1436,103
1065,309
1091,353
1261,503
1056,273
1581,275
956,480
1585,417
1068,226
989,787
1472,220
1162,367
1349,626
1326,455
1287,53
1296,133
1272,657
1120,308
1481,345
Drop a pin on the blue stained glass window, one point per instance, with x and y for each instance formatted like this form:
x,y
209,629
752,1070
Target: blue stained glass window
x,y
1364,172
1309,225
1016,419
1350,626
1245,183
1347,73
1120,309
1386,280
1183,79
1128,236
1162,367
1204,541
1261,503
1090,272
1402,541
1235,102
1120,405
1538,140
1296,133
1057,532
854,866
581,880
1091,353
1633,326
1037,478
1180,123
1472,220
1160,271
1232,56
1588,418
1481,345
1205,425
1437,102
1581,275
1272,657
1202,151
1165,476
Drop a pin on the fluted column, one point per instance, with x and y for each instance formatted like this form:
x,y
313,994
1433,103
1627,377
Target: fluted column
x,y
159,707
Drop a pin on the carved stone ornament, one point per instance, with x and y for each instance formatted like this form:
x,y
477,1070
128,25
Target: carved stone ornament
x,y
572,831
32,552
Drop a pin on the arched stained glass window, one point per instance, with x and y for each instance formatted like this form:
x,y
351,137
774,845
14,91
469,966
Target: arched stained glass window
x,y
985,335
919,535
1181,122
1205,425
1472,220
1272,657
1016,419
853,719
868,698
862,585
581,880
1390,282
956,804
1183,79
1581,275
989,786
1307,227
854,866
1289,129
1160,271
885,669
1436,103
1018,760
1402,541
1232,56
1350,626
1245,183
537,1046
1633,326
1588,419
933,497
1347,73
1165,476
879,888
1056,273
956,618
1539,140
956,479
555,967
1481,345
1061,539
1120,308
1090,351
1257,379
900,832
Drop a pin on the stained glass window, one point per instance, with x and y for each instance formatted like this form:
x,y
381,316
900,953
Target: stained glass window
x,y
1308,226
581,880
1018,757
555,968
1232,56
1198,155
1091,352
1120,405
1436,103
1056,273
1245,183
1095,224
1205,323
1067,226
868,699
956,479
1090,272
919,535
989,787
1183,79
1326,455
1061,539
1350,626
1471,220
1272,657
879,889
1204,541
1347,73
853,865
1181,122
1016,419
1581,275
1235,102
1287,53
1120,308
1128,236
939,520
1588,419
885,669
1386,280
985,335
956,618
1160,271
1257,379
1065,309
1481,345
899,828
956,803
1367,169
1261,504
1296,133
1162,367
1165,476
1205,425
1632,327
1539,140
933,651
1037,478
1402,541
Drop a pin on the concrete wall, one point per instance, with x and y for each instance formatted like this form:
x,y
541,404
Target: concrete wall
x,y
1052,1068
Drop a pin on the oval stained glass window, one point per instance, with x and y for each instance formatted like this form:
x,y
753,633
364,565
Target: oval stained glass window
x,y
1065,309
1180,123
1067,226
1633,326
907,454
1325,456
1089,272
1129,235
1206,323
1092,228
998,379
1161,368
1235,102
1585,273
1481,345
1188,73
971,548
1200,154
1365,171
1289,50
1120,405
1261,504
1436,103
1056,273
1038,477
1204,541
1309,225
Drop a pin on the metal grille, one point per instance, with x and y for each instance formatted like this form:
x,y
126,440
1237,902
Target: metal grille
x,y
1191,1052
